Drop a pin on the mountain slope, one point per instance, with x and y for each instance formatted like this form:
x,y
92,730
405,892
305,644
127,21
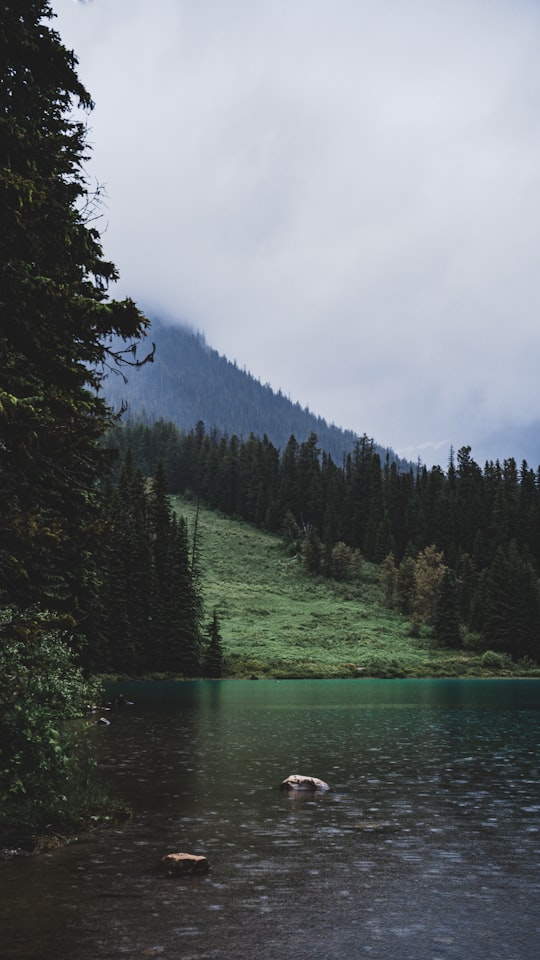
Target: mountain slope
x,y
189,381
276,620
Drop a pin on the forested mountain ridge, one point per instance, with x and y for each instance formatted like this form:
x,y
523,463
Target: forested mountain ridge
x,y
190,382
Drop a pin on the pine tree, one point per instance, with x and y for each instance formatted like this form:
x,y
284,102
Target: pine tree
x,y
384,543
176,604
288,492
55,319
406,585
446,624
333,487
467,582
160,521
363,480
185,604
511,608
313,551
213,654
341,561
470,503
309,482
56,325
388,576
429,571
127,574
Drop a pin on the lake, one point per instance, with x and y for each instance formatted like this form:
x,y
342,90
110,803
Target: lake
x,y
426,846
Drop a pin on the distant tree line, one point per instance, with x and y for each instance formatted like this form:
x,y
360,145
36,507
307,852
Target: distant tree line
x,y
459,550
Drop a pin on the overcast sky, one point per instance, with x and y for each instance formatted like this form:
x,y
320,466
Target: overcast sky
x,y
342,195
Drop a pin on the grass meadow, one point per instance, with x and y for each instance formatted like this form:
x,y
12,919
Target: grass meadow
x,y
278,621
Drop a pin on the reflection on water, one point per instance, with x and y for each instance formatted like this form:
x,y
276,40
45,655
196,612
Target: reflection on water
x,y
426,847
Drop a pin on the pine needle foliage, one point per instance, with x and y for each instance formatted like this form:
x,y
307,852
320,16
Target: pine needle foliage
x,y
56,325
55,320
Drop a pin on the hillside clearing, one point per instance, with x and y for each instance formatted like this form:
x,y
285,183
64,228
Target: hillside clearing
x,y
277,621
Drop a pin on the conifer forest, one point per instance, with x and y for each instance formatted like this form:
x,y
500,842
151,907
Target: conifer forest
x,y
458,549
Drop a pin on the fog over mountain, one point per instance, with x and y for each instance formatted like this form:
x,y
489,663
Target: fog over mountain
x,y
343,196
188,381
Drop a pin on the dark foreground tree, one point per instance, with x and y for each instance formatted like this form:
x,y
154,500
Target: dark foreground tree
x,y
56,324
55,318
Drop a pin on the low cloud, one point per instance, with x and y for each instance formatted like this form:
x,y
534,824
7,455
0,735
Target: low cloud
x,y
343,198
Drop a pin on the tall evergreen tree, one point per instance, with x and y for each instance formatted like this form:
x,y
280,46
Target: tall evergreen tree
x,y
388,576
126,574
469,501
56,324
182,606
467,582
406,585
446,623
55,319
309,481
213,654
313,551
176,604
360,487
429,571
511,611
289,493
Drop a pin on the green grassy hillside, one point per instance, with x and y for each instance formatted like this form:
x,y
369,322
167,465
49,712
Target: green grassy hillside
x,y
278,621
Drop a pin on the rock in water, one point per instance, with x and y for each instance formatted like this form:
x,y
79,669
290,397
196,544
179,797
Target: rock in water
x,y
183,864
298,782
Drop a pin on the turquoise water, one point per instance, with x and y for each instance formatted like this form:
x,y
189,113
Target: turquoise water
x,y
426,846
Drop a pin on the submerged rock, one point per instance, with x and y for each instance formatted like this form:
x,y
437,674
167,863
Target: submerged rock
x,y
183,864
297,782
